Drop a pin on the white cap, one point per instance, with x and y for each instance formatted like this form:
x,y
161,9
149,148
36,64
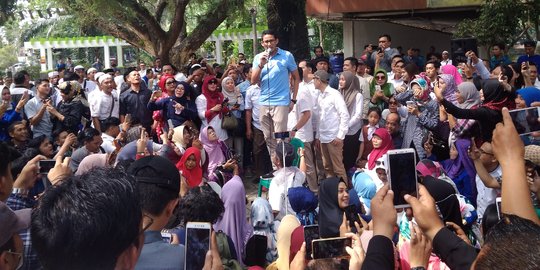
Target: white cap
x,y
91,70
78,67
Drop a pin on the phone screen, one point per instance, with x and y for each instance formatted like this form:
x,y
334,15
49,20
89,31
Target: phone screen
x,y
526,120
402,170
281,135
499,207
197,244
331,248
311,232
46,165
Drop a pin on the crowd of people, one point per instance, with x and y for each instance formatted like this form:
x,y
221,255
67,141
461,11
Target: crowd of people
x,y
100,170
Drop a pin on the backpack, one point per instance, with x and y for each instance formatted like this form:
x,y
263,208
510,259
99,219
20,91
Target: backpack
x,y
226,253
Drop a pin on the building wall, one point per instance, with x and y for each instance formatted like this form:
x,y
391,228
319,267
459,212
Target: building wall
x,y
356,34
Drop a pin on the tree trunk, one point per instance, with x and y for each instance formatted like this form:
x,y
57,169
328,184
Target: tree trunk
x,y
288,18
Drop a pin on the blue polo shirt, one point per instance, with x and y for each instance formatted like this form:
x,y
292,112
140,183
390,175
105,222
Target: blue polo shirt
x,y
525,58
275,90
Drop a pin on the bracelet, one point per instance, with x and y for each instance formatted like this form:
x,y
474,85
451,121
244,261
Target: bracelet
x,y
261,66
21,191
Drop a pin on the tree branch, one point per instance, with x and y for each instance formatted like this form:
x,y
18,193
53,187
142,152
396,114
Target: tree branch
x,y
177,24
162,4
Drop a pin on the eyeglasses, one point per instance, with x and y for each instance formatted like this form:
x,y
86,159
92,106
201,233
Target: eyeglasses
x,y
212,82
381,77
484,152
19,257
171,82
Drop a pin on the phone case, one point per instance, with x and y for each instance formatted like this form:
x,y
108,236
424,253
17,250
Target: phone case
x,y
389,169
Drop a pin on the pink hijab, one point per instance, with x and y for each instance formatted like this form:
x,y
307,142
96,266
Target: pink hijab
x,y
452,70
92,161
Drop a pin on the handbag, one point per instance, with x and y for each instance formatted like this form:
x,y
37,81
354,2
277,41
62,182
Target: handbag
x,y
229,122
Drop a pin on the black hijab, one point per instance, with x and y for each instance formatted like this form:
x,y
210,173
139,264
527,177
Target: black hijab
x,y
330,215
445,198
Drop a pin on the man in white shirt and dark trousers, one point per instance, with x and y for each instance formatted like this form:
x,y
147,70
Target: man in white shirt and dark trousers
x,y
333,125
261,158
104,103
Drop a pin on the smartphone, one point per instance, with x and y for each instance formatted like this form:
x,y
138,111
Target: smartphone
x,y
197,244
281,135
378,88
225,101
331,247
526,120
46,165
311,232
402,175
352,213
499,207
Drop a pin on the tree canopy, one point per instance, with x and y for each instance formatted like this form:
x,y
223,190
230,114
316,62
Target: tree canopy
x,y
158,27
6,9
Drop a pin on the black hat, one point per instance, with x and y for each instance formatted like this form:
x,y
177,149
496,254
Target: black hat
x,y
320,59
165,175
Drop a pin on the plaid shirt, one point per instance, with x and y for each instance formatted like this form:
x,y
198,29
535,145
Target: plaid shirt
x,y
30,259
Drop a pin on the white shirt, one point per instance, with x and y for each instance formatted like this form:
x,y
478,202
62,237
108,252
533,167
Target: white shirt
x,y
446,62
314,94
101,105
486,196
355,122
107,144
304,103
537,83
215,122
180,77
253,92
88,87
284,179
333,116
370,130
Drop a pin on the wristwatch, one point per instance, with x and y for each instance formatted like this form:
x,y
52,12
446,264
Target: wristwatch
x,y
294,129
20,191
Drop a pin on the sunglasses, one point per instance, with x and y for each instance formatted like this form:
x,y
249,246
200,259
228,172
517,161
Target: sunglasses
x,y
381,77
171,82
212,82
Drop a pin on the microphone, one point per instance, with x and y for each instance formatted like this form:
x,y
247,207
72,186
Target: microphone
x,y
268,51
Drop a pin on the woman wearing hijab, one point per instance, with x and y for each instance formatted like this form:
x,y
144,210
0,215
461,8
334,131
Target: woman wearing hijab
x,y
452,70
349,87
10,112
288,242
235,105
209,107
216,150
234,222
526,96
190,170
460,168
488,114
423,114
181,139
92,161
467,97
382,142
166,85
365,188
428,167
262,220
380,90
333,199
447,82
175,107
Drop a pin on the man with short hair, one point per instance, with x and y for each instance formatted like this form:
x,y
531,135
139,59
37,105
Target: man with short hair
x,y
393,125
90,143
105,225
135,101
432,71
272,70
488,176
36,109
104,104
394,77
19,86
322,63
333,125
87,85
157,66
383,57
530,56
158,184
111,131
318,51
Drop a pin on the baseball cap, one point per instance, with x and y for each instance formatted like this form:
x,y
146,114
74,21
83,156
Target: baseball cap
x,y
78,67
12,222
165,174
321,75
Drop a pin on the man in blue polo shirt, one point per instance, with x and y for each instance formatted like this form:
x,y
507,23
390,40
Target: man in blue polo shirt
x,y
530,56
271,70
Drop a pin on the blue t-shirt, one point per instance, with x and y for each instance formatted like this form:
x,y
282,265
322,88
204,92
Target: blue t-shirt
x,y
525,58
274,81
